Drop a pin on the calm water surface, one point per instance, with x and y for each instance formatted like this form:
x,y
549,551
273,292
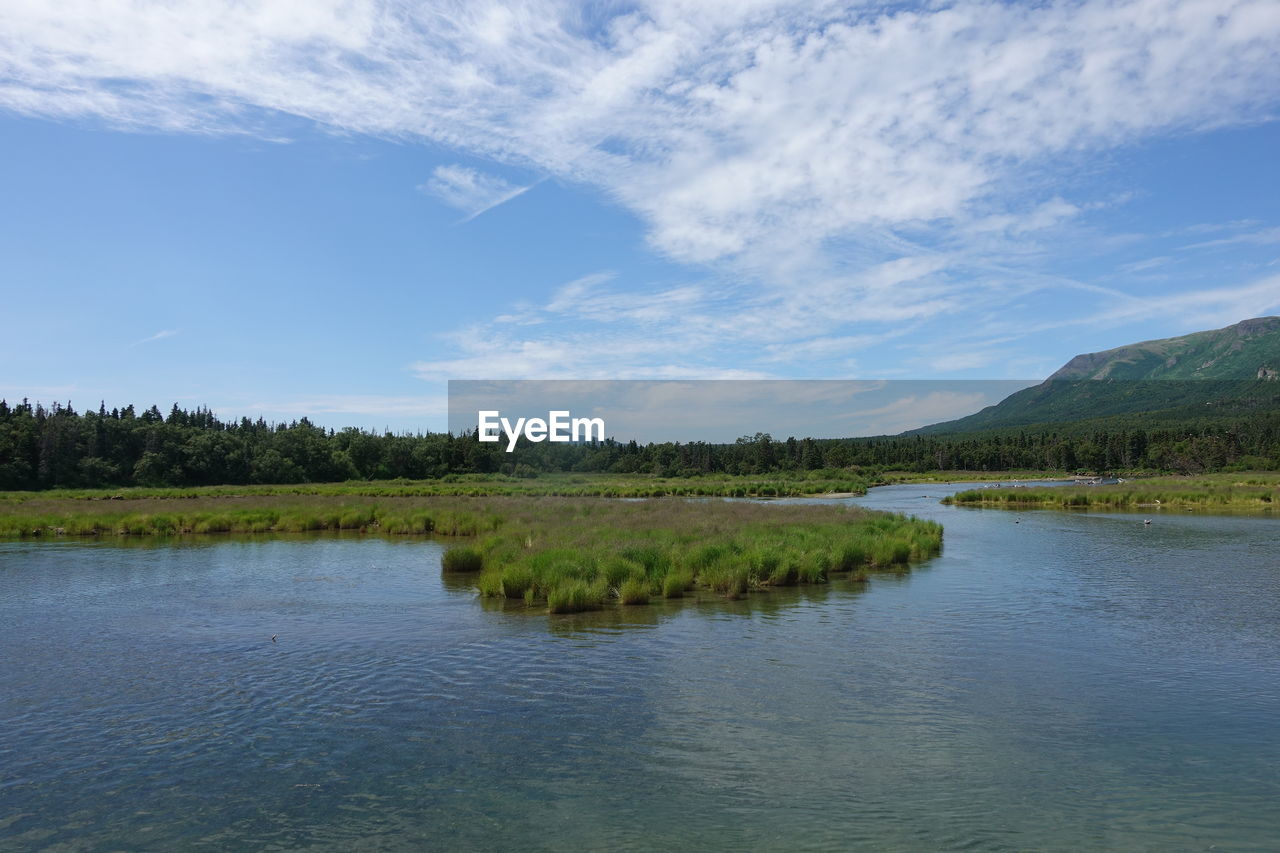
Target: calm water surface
x,y
1054,681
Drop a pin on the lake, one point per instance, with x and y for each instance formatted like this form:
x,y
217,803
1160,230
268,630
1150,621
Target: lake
x,y
1053,681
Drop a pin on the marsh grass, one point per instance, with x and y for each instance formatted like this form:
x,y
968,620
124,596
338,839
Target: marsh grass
x,y
780,484
564,554
513,582
444,516
677,583
578,555
1226,491
634,590
462,559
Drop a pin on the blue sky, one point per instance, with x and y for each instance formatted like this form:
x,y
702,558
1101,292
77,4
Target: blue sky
x,y
330,209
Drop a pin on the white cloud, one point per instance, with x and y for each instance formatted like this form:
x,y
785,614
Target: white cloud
x,y
471,191
1205,309
719,122
1047,215
571,296
1145,264
590,331
1262,237
1212,227
1193,310
577,355
839,164
160,335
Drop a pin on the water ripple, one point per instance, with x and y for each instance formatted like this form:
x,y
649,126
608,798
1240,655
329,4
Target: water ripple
x,y
1068,682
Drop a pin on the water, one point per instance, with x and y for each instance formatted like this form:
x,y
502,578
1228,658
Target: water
x,y
1065,682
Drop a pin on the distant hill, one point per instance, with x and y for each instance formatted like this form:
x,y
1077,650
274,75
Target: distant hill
x,y
1223,372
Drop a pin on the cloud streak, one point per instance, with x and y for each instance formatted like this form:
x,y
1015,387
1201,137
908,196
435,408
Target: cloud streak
x,y
471,191
158,336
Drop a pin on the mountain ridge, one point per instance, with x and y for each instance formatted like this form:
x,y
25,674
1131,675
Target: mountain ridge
x,y
1241,363
1226,354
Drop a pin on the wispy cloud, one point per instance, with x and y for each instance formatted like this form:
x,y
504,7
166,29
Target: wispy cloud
x,y
1261,237
591,330
1145,264
1205,308
471,191
158,336
1212,227
718,122
1193,310
847,168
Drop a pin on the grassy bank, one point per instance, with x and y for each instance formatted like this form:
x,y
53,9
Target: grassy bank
x,y
782,484
47,516
1236,492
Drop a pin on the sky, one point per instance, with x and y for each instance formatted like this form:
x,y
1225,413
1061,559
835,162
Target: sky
x,y
330,209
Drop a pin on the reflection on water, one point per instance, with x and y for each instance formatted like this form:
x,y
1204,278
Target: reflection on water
x,y
1052,681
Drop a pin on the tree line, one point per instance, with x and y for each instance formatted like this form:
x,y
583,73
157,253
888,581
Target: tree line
x,y
58,447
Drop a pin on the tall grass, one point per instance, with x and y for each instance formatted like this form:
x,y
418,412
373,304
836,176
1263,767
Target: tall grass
x,y
462,559
634,590
780,484
1252,491
583,555
280,514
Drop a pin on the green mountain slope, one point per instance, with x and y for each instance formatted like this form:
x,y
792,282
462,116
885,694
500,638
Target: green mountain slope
x,y
1220,373
1243,351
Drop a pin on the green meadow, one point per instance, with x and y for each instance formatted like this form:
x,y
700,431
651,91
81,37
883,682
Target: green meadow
x,y
455,505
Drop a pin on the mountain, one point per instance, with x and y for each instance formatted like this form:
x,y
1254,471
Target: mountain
x,y
1223,372
1243,351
